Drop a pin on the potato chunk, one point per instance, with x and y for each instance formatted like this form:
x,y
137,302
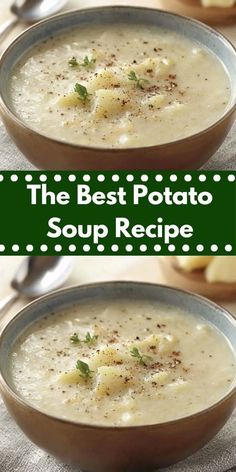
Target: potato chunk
x,y
146,344
109,102
106,355
160,378
218,3
189,263
222,269
156,65
155,101
71,377
174,108
105,79
71,100
167,343
155,343
178,386
111,380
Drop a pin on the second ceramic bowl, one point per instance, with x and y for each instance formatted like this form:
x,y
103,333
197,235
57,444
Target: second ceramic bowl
x,y
118,449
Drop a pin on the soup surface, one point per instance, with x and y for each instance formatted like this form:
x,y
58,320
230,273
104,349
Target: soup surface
x,y
119,86
127,363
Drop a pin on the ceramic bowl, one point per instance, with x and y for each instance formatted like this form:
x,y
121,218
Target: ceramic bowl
x,y
116,449
46,153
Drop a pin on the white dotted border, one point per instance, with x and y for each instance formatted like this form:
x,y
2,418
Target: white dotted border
x,y
129,248
203,177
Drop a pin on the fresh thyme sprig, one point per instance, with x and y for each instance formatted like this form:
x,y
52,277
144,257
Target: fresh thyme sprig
x,y
139,81
82,92
74,338
90,339
73,62
88,63
84,369
142,358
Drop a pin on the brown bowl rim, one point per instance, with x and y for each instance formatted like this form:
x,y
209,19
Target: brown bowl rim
x,y
5,106
4,385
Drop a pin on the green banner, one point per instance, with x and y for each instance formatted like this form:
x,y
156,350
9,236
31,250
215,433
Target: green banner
x,y
118,213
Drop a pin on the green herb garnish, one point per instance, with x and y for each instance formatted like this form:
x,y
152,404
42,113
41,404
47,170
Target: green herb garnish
x,y
73,62
88,62
90,339
84,369
82,92
141,357
139,81
74,338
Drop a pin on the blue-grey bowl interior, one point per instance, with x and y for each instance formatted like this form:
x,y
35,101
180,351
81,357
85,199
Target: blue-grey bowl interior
x,y
189,28
66,298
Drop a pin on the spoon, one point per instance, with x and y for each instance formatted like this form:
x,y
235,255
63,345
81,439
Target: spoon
x,y
38,275
29,12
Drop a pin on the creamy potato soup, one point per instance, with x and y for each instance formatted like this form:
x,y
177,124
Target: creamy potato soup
x,y
123,363
119,86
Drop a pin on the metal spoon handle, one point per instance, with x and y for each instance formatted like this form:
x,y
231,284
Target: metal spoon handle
x,y
7,302
7,27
